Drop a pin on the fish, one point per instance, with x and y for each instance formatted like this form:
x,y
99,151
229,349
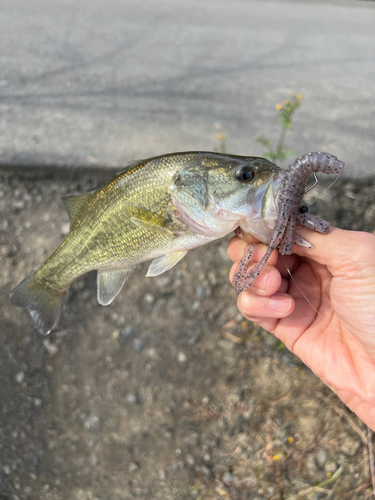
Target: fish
x,y
155,209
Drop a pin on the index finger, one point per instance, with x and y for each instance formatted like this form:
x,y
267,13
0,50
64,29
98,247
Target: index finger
x,y
238,244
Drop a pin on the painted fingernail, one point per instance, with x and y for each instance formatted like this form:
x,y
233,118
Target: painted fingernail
x,y
260,282
280,303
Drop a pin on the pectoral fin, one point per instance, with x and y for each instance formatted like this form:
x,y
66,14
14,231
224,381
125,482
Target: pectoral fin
x,y
149,220
164,263
110,284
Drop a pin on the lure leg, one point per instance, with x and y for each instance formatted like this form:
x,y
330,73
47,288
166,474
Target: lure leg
x,y
298,240
241,277
242,280
287,246
314,223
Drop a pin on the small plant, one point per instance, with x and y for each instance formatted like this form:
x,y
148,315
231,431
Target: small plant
x,y
286,111
222,143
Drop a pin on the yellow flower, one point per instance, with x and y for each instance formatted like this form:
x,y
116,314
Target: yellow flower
x,y
299,96
329,474
290,439
221,137
275,458
279,106
287,103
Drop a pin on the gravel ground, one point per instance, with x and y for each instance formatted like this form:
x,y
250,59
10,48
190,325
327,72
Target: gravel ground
x,y
167,393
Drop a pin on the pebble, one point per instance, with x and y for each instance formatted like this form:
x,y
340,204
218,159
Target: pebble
x,y
149,298
20,376
4,224
212,278
226,345
196,305
138,344
200,291
131,398
38,402
310,463
65,228
181,357
18,205
85,294
125,334
52,349
152,353
206,471
190,461
163,281
330,466
350,446
133,467
92,423
321,458
227,477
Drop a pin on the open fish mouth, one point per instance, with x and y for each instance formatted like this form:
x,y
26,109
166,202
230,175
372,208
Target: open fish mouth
x,y
265,208
291,191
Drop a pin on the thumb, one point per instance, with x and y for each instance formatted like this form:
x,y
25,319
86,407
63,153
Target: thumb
x,y
338,247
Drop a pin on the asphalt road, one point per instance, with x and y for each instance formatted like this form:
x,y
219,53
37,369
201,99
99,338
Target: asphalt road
x,y
88,81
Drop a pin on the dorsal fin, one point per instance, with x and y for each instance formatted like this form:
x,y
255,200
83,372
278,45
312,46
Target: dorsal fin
x,y
74,203
130,165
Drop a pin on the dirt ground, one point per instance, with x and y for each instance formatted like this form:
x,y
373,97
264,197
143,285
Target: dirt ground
x,y
167,393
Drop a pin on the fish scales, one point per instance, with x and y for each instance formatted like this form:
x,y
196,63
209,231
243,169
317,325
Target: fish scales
x,y
102,234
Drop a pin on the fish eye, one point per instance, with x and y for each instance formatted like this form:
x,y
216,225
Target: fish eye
x,y
245,174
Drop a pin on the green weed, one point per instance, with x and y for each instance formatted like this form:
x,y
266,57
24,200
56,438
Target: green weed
x,y
286,111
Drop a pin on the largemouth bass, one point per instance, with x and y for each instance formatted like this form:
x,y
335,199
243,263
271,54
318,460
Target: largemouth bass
x,y
156,209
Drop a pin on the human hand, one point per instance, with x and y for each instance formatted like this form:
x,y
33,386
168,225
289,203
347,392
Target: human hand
x,y
325,313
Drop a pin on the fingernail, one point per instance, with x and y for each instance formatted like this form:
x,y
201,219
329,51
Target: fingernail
x,y
280,303
260,282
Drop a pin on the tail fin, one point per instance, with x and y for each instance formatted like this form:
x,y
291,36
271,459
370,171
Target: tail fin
x,y
44,304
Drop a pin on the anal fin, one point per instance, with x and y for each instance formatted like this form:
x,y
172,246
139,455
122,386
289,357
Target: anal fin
x,y
110,284
164,263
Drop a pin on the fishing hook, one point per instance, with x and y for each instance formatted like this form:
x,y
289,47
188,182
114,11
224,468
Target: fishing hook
x,y
315,183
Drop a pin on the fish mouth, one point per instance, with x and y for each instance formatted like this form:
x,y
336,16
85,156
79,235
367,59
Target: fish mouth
x,y
265,208
265,199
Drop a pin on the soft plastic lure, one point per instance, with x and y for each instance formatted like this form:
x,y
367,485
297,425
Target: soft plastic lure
x,y
290,212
